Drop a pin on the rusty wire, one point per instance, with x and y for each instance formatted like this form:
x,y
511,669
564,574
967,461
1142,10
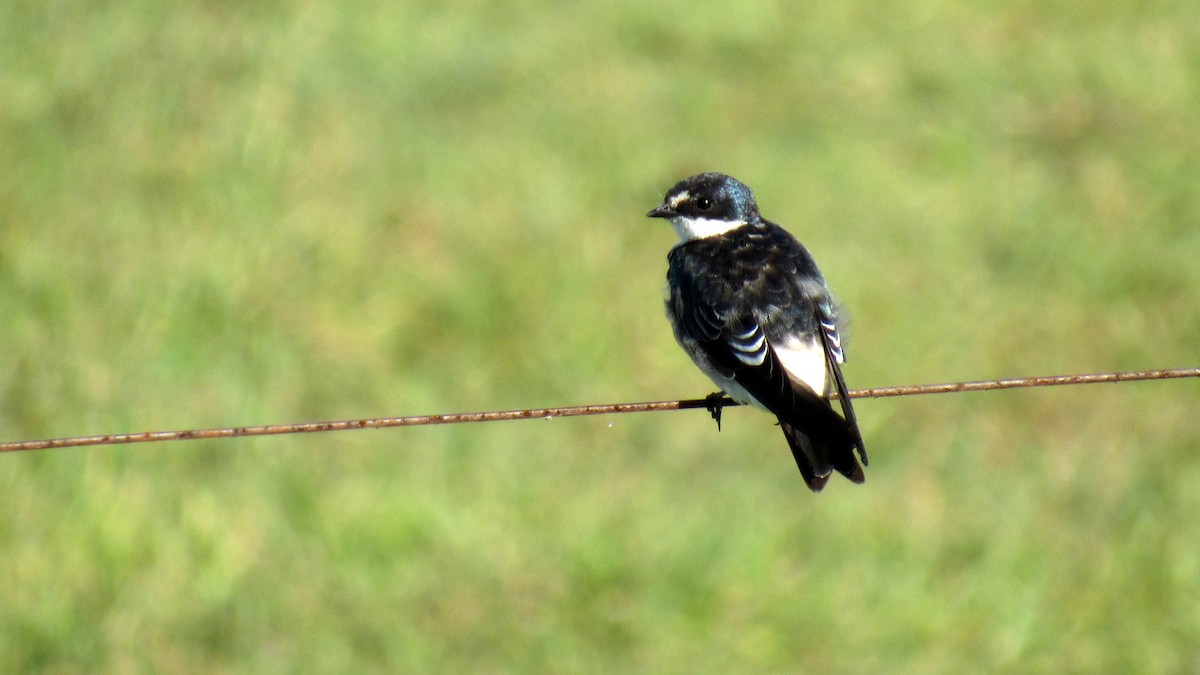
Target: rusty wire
x,y
572,411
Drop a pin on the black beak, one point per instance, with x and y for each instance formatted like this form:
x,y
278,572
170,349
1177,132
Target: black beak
x,y
660,211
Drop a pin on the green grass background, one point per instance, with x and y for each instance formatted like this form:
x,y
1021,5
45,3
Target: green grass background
x,y
236,213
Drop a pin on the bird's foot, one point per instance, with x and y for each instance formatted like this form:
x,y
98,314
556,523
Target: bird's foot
x,y
714,403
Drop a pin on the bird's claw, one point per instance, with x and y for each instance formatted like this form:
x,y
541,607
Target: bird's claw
x,y
714,403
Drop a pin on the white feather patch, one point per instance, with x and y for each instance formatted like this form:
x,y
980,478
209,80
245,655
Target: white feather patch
x,y
804,361
690,229
751,354
835,341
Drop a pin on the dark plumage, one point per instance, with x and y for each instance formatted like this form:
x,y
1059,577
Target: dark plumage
x,y
750,307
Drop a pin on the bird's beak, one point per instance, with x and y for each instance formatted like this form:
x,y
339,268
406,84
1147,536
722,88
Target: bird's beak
x,y
661,211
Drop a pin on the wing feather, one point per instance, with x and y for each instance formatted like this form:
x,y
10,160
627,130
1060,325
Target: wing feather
x,y
834,357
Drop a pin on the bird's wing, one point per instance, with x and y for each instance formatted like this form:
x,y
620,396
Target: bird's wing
x,y
834,357
736,345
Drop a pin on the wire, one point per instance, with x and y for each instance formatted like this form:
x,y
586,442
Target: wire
x,y
572,411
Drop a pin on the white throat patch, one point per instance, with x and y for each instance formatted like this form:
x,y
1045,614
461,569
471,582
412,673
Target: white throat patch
x,y
690,229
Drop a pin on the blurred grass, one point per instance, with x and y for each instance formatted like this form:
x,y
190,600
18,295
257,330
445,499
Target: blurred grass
x,y
238,213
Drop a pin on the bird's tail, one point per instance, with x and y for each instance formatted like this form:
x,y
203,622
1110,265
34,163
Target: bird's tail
x,y
818,457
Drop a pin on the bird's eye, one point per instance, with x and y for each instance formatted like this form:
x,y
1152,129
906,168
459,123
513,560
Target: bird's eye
x,y
704,203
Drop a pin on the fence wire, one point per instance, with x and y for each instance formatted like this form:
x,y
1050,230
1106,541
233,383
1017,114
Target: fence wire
x,y
573,411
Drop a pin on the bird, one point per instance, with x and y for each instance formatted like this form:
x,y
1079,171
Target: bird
x,y
748,304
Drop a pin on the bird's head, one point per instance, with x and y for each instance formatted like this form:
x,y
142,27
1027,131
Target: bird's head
x,y
707,205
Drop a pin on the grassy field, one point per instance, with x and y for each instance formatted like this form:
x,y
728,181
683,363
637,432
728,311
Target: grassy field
x,y
249,213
